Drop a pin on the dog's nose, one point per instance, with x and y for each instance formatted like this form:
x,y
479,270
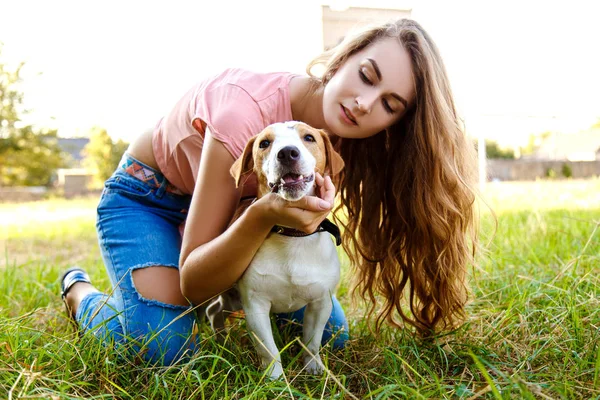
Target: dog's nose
x,y
288,154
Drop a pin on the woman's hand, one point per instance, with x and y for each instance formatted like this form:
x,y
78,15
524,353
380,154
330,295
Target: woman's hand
x,y
305,214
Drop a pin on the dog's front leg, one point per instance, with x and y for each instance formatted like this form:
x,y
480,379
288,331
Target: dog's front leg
x,y
258,321
315,319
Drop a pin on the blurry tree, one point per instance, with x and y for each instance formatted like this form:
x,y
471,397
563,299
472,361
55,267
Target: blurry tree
x,y
102,154
492,150
534,142
28,156
32,159
566,170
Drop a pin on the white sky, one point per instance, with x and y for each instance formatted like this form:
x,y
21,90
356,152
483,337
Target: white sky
x,y
516,66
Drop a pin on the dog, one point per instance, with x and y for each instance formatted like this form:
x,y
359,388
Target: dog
x,y
291,269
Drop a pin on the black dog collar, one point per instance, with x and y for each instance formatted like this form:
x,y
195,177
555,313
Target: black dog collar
x,y
326,225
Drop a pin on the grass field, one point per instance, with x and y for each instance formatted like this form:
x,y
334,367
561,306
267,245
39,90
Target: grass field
x,y
533,329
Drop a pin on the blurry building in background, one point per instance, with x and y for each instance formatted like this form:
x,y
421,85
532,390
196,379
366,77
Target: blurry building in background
x,y
73,181
557,155
74,147
581,146
339,20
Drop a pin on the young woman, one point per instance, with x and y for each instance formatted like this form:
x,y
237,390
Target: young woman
x,y
407,192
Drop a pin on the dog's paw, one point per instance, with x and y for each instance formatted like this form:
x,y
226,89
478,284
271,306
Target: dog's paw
x,y
314,365
275,371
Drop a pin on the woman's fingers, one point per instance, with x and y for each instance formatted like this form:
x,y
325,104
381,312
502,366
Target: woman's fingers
x,y
308,212
311,203
319,179
327,190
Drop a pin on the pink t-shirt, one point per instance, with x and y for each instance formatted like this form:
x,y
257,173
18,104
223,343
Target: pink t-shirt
x,y
235,105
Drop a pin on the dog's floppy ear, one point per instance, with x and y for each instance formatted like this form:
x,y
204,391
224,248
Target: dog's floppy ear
x,y
335,163
244,164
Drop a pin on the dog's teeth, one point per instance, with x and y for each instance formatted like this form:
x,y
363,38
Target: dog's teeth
x,y
282,181
301,177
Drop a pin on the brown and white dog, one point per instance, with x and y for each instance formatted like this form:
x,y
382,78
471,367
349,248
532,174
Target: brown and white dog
x,y
287,272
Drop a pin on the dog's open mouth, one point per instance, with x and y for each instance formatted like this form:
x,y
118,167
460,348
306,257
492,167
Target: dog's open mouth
x,y
291,180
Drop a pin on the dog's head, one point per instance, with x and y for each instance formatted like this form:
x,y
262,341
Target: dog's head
x,y
285,157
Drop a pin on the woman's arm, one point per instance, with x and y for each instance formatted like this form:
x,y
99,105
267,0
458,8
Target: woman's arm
x,y
214,257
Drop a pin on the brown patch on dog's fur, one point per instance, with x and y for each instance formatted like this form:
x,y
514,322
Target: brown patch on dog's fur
x,y
329,162
249,161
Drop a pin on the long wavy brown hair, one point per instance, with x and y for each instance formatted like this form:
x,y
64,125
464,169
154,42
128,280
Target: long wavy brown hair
x,y
408,194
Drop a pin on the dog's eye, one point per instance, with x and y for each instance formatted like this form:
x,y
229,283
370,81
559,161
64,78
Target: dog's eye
x,y
264,144
309,138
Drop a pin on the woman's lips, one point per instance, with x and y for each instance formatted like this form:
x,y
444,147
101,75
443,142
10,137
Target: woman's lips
x,y
347,116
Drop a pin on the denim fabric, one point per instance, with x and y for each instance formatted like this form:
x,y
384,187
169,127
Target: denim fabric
x,y
138,227
336,328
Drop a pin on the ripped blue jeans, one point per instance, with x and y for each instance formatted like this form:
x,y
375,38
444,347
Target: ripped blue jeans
x,y
139,215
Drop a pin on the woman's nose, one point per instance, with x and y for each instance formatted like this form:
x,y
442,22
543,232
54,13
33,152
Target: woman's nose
x,y
365,103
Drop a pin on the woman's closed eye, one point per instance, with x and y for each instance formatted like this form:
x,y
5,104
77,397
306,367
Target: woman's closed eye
x,y
364,77
388,108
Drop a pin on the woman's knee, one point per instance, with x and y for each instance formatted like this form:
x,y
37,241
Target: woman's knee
x,y
159,283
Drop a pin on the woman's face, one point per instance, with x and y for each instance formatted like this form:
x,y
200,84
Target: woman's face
x,y
370,91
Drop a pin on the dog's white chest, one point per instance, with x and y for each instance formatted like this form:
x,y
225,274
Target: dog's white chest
x,y
291,272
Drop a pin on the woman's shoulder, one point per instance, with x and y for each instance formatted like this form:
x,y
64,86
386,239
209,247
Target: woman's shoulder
x,y
258,85
244,74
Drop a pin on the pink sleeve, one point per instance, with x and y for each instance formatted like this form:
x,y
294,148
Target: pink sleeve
x,y
231,114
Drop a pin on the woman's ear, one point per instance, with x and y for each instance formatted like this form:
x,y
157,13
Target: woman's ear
x,y
244,164
335,163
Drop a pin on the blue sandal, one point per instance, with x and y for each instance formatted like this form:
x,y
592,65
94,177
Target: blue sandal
x,y
71,277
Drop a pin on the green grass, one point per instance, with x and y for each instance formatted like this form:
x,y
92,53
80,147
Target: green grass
x,y
533,327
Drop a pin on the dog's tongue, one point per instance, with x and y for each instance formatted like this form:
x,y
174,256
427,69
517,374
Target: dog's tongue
x,y
291,178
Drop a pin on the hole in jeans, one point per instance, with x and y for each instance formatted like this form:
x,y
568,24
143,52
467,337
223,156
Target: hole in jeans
x,y
159,283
